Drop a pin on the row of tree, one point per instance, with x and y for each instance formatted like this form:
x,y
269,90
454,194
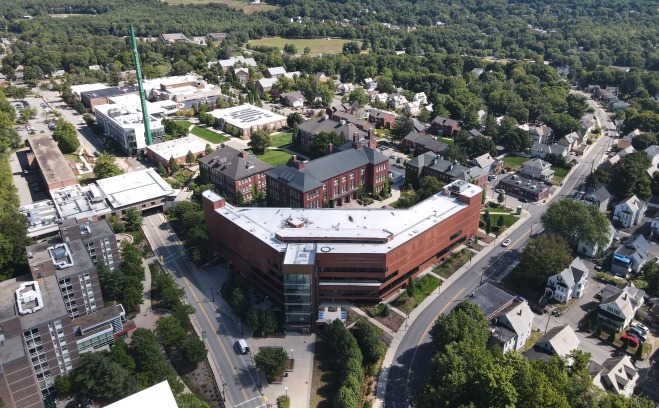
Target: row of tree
x,y
188,219
124,284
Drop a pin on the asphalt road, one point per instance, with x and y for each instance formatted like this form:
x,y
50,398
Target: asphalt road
x,y
222,332
413,357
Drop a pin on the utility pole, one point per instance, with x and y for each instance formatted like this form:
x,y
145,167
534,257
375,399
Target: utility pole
x,y
140,85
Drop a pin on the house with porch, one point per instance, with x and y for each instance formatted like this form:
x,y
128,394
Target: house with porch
x,y
617,310
569,283
537,169
629,212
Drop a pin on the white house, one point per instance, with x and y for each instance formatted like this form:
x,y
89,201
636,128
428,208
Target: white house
x,y
294,99
541,150
629,212
591,250
617,310
587,124
517,319
275,72
568,284
346,88
370,84
381,97
541,134
560,340
621,153
396,101
617,375
537,169
630,256
653,155
412,108
421,98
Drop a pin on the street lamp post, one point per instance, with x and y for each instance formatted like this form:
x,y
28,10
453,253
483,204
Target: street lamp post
x,y
286,389
291,354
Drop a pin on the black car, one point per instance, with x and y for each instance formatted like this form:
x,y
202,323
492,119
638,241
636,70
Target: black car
x,y
523,200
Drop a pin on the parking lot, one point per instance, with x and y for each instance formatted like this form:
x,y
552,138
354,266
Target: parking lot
x,y
29,186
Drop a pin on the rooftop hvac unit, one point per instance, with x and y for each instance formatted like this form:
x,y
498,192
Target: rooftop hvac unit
x,y
114,112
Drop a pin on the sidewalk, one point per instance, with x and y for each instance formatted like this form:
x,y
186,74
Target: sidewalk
x,y
145,318
398,336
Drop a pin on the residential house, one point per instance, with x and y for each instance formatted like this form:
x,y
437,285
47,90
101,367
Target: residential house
x,y
217,36
654,226
617,310
475,133
412,108
174,38
445,126
571,141
265,84
617,375
486,162
293,99
626,141
531,189
275,72
517,320
560,341
382,119
346,88
621,153
601,198
431,164
321,77
490,299
421,98
335,178
370,84
242,74
418,126
224,65
591,249
542,150
537,169
569,283
396,101
629,212
630,257
420,143
653,155
350,132
588,123
618,106
348,117
233,171
381,98
292,74
541,134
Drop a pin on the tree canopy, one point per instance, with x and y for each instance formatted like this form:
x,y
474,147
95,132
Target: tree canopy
x,y
106,166
259,141
576,221
629,176
66,136
319,145
542,257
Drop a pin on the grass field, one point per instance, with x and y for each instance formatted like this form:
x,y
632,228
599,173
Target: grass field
x,y
446,140
317,45
245,6
184,122
559,173
275,157
281,139
208,135
514,162
508,219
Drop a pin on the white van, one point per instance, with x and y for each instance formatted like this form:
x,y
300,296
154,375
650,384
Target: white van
x,y
242,346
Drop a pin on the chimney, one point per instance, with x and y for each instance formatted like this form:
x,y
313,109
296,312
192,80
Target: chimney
x,y
299,164
242,154
331,147
356,145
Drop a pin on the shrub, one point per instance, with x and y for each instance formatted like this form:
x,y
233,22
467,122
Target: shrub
x,y
284,401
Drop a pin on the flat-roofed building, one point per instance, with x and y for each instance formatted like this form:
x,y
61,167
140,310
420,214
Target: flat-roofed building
x,y
77,90
159,395
358,255
534,190
180,88
54,168
100,96
172,38
42,218
122,120
177,148
97,237
242,120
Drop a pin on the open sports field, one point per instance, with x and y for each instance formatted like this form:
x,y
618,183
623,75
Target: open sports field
x,y
317,45
245,6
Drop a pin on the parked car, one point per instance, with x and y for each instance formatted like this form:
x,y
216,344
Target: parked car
x,y
640,326
631,340
491,177
636,332
506,243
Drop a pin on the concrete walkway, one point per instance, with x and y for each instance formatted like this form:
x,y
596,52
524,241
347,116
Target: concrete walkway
x,y
145,318
398,336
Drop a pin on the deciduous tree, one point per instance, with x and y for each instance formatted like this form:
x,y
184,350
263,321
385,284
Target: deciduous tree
x,y
629,176
272,361
575,221
66,136
259,141
106,166
543,256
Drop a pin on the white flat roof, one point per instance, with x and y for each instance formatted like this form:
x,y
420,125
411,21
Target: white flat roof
x,y
130,188
245,116
159,395
178,147
78,89
79,202
385,229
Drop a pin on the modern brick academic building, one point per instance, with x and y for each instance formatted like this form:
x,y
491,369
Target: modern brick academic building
x,y
301,257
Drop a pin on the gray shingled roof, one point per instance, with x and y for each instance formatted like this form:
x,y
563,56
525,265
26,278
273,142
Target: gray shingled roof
x,y
319,170
445,121
318,125
227,161
456,171
429,142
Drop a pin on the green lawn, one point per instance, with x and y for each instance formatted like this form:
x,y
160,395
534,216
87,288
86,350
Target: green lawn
x,y
422,288
559,173
208,135
446,140
514,162
281,139
244,5
184,122
317,45
275,157
508,219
